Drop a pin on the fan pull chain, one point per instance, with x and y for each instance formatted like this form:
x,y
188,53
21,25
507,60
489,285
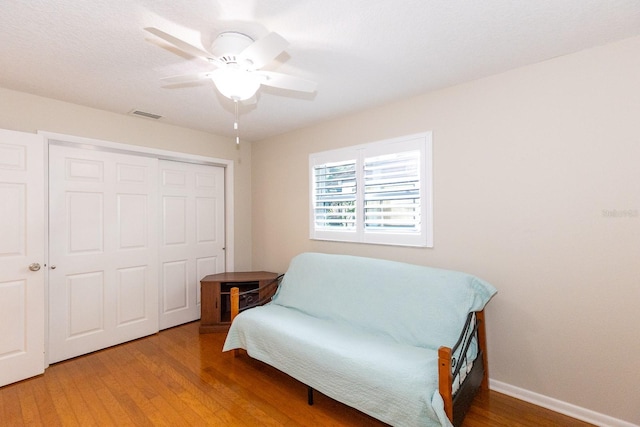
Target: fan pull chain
x,y
235,124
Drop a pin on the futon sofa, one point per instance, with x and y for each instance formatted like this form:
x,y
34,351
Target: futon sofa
x,y
368,333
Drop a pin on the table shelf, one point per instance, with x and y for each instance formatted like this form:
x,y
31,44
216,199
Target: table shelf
x,y
215,307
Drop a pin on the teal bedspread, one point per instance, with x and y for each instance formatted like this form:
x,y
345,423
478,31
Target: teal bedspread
x,y
364,332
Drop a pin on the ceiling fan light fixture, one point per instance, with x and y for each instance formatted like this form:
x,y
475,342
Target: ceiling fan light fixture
x,y
236,84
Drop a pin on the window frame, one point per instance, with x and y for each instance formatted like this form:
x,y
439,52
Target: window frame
x,y
421,142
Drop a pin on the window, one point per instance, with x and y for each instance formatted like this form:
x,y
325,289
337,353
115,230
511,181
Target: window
x,y
374,193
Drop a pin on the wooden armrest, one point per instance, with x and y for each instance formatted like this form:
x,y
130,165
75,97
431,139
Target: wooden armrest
x,y
477,378
265,292
235,302
445,380
234,298
482,344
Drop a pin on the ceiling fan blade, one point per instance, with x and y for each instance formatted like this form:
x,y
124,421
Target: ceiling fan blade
x,y
286,81
187,78
181,44
264,50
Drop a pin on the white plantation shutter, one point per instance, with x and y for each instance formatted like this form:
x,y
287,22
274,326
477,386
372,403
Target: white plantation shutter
x,y
392,192
374,193
335,196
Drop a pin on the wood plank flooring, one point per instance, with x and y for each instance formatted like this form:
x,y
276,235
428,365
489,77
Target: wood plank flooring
x,y
181,378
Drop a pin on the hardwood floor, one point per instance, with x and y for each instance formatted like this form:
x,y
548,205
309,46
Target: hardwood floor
x,y
181,378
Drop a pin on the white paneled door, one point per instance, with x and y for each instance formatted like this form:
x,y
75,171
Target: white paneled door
x,y
22,220
192,237
103,272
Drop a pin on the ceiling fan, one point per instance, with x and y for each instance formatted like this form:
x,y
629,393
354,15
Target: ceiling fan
x,y
238,60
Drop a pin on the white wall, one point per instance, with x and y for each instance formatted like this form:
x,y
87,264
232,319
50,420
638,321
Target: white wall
x,y
29,113
537,190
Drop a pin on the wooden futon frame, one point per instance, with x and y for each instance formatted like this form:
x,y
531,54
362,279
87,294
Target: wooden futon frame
x,y
456,404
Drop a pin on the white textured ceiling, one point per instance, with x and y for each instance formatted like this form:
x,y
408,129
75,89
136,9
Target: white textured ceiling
x,y
362,53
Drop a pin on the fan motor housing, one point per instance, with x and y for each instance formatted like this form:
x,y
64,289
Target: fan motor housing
x,y
229,44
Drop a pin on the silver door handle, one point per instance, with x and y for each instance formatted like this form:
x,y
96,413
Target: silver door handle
x,y
34,266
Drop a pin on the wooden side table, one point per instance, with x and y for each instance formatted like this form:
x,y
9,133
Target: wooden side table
x,y
215,315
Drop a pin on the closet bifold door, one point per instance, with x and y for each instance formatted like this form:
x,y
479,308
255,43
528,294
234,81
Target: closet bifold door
x,y
103,270
192,236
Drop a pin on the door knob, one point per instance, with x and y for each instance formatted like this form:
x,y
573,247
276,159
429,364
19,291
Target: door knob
x,y
34,266
53,267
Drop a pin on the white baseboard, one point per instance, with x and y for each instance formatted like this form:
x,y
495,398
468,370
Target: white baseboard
x,y
559,406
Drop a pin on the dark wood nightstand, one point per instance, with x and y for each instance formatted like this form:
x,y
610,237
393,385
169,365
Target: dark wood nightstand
x,y
215,306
